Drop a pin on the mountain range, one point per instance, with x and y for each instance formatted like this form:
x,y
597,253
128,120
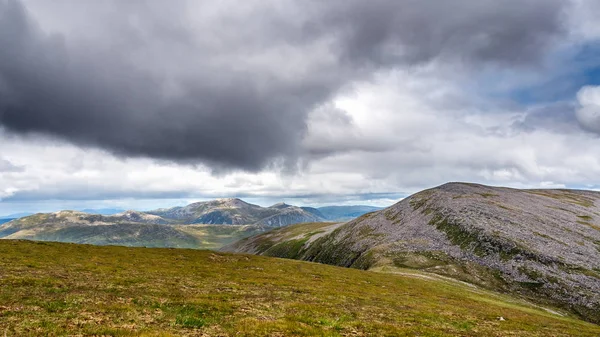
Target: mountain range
x,y
238,212
540,244
208,224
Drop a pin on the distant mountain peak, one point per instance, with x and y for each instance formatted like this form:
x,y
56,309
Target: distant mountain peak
x,y
129,211
280,205
137,216
68,212
232,201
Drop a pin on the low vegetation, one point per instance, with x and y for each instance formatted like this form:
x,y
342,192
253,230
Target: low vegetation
x,y
127,234
57,289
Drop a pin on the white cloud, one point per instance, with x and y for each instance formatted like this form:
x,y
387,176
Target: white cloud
x,y
430,145
7,166
588,113
583,17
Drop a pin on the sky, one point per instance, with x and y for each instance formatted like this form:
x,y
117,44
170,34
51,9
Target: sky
x,y
146,104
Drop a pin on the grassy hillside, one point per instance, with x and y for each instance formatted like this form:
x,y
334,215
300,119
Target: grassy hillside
x,y
66,289
134,234
288,242
217,236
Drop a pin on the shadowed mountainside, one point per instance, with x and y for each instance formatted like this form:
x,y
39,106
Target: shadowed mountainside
x,y
236,212
542,244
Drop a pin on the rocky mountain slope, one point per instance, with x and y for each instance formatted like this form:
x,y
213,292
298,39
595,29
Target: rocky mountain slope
x,y
287,215
236,212
541,244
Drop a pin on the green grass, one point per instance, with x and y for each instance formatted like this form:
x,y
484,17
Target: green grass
x,y
217,236
303,229
591,225
292,238
142,235
420,199
57,289
467,240
564,196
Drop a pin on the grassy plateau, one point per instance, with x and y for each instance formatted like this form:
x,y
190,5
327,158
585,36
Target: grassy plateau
x,y
59,289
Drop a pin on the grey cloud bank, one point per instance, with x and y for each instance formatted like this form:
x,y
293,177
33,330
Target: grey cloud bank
x,y
8,167
231,85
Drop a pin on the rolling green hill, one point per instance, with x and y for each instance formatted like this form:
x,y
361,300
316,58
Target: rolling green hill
x,y
133,234
57,289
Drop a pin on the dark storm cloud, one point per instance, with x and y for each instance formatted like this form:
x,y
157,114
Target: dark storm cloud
x,y
333,132
387,31
558,117
235,91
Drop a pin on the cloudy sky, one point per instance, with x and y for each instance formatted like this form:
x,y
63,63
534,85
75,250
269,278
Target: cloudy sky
x,y
143,104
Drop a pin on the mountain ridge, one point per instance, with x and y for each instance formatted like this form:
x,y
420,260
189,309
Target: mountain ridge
x,y
234,211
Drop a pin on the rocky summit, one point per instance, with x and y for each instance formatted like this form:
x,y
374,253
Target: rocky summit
x,y
540,244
